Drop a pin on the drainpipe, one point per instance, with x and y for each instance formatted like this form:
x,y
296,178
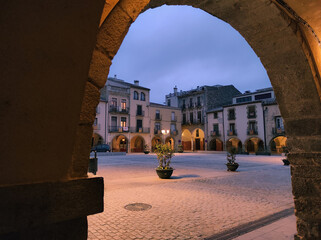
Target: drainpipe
x,y
264,109
224,143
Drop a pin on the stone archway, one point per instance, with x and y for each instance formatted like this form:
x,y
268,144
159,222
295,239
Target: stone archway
x,y
170,142
198,137
187,140
253,145
288,50
234,143
97,139
156,140
216,145
277,144
137,144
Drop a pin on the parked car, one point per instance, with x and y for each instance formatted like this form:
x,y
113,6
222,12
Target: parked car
x,y
101,148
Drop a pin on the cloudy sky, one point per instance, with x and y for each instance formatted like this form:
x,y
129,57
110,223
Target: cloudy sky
x,y
187,47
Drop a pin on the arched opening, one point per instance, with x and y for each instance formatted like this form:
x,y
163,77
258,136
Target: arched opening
x,y
170,142
278,48
216,145
120,144
234,143
96,140
156,140
198,139
137,144
187,140
277,144
253,145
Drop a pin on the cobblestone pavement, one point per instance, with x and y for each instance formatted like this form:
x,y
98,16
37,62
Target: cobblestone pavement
x,y
201,199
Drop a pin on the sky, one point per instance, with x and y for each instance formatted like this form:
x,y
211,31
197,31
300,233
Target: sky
x,y
186,47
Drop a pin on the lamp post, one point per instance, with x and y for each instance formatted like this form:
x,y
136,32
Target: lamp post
x,y
164,132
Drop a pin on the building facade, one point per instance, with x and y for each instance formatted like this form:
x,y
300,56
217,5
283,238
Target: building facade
x,y
251,124
131,121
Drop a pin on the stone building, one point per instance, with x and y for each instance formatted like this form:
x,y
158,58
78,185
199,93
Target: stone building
x,y
251,124
132,121
194,105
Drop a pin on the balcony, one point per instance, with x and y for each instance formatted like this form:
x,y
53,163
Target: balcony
x,y
278,131
158,117
252,132
139,130
113,129
96,127
215,133
231,117
174,119
251,114
174,132
157,131
231,133
199,105
183,107
186,123
191,106
115,109
199,121
140,113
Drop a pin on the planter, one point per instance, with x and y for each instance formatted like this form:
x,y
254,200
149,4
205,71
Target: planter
x,y
164,173
285,162
232,167
180,151
146,152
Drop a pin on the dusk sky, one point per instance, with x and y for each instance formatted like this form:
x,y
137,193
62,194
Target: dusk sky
x,y
187,47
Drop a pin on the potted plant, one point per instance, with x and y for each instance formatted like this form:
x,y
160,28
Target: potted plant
x,y
146,149
231,164
180,148
164,155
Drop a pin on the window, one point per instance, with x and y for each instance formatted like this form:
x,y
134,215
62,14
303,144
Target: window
x,y
139,125
244,99
135,95
215,128
157,126
232,131
191,102
263,96
198,101
215,115
157,115
173,116
279,123
113,124
251,113
197,133
184,118
252,125
191,118
123,104
142,96
231,114
168,102
173,127
139,110
123,121
97,110
114,102
252,128
184,104
95,122
199,116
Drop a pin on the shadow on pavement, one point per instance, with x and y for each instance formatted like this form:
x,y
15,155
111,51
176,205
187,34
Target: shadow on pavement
x,y
185,176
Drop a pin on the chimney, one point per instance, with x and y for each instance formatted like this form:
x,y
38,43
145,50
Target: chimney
x,y
175,89
136,82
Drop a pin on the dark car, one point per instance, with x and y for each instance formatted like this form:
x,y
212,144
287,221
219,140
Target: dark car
x,y
101,148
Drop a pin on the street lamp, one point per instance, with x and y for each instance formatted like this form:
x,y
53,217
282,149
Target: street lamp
x,y
164,132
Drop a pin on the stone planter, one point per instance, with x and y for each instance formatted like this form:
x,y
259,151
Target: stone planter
x,y
232,167
164,173
285,162
146,152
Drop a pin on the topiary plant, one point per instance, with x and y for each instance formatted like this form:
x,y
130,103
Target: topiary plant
x,y
164,155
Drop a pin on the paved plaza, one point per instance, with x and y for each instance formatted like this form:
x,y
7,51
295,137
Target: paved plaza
x,y
200,201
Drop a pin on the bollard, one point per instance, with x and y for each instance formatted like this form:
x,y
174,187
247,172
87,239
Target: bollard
x,y
93,164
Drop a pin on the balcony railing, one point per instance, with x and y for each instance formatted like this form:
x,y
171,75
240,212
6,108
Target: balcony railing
x,y
96,127
252,132
231,117
191,105
158,117
199,121
183,107
174,132
174,119
115,109
157,131
186,123
117,129
251,114
231,133
140,113
278,131
215,133
139,130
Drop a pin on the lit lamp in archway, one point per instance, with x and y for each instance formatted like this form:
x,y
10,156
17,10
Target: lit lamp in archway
x,y
164,132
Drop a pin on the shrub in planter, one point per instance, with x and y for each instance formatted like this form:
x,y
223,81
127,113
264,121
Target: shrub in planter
x,y
231,164
164,155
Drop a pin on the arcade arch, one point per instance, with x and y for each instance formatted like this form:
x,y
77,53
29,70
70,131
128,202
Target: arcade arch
x,y
96,139
234,143
198,138
120,144
253,145
187,140
170,142
277,144
216,145
137,144
156,140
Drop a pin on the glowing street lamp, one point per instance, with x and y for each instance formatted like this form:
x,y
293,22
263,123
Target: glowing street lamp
x,y
164,132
